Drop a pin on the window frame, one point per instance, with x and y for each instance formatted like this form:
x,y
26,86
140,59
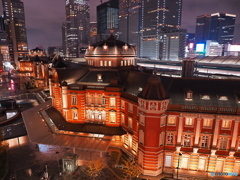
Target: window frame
x,y
171,123
173,138
226,124
189,121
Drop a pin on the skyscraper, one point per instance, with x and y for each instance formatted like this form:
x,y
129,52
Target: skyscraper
x,y
222,27
158,16
202,27
107,17
217,27
130,21
77,26
16,28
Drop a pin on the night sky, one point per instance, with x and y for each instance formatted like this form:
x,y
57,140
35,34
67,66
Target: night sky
x,y
44,18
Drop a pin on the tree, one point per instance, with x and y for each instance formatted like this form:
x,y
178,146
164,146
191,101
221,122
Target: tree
x,y
94,168
130,168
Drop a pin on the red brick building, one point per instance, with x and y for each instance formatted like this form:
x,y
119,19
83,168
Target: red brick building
x,y
161,121
35,66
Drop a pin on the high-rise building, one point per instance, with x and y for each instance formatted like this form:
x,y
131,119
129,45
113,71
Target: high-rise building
x,y
130,21
158,16
217,27
16,28
222,27
172,45
202,28
107,17
64,38
77,26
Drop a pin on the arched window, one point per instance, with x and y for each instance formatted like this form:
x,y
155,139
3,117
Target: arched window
x,y
112,116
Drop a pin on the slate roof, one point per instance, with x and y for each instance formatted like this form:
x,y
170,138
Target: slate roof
x,y
91,76
71,75
134,81
212,87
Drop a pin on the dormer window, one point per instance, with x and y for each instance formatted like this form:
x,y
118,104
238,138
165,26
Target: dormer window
x,y
223,98
99,77
189,95
205,97
125,47
105,47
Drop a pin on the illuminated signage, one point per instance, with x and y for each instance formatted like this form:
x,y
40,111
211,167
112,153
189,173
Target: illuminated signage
x,y
200,47
234,48
190,45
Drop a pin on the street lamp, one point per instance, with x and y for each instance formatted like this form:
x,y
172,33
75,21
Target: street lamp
x,y
179,154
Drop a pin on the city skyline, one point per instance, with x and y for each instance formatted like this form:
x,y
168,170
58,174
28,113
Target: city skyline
x,y
51,14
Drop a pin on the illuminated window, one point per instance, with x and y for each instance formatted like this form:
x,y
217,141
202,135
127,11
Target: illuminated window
x,y
189,95
171,120
185,163
109,63
207,122
205,142
187,140
223,143
101,63
130,122
219,165
112,116
122,63
205,97
237,167
168,161
189,121
122,118
128,140
75,114
169,138
223,98
226,124
112,101
99,78
202,163
74,100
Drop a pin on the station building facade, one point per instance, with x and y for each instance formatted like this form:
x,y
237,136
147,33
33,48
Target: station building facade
x,y
165,122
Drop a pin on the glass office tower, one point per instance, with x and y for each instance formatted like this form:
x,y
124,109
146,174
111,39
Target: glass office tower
x,y
16,28
222,27
77,26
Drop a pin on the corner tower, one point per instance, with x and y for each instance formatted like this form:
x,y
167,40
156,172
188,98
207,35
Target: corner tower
x,y
152,102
